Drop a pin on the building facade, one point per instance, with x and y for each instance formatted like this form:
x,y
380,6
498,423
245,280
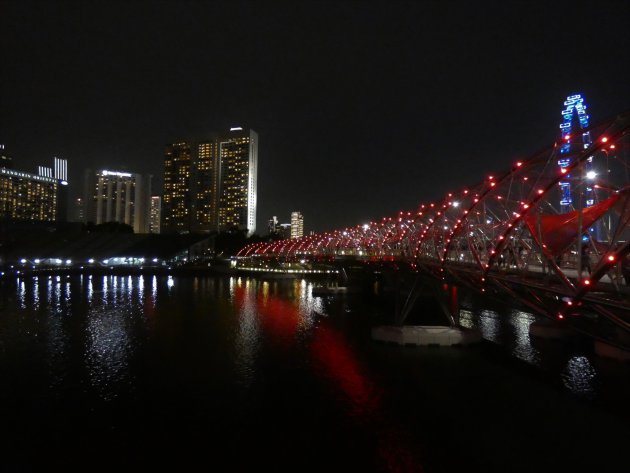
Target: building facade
x,y
238,179
206,185
176,195
214,190
78,210
297,225
156,212
115,196
27,197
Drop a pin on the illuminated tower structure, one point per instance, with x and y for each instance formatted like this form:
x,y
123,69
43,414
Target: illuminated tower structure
x,y
297,225
176,197
156,210
205,192
574,104
237,179
214,190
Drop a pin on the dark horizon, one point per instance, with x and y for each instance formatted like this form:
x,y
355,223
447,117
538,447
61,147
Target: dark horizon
x,y
362,109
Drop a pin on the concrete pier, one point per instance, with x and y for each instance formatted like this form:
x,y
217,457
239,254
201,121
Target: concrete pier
x,y
425,335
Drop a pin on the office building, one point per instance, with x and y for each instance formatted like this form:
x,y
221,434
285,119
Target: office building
x,y
297,225
78,210
238,172
272,225
27,197
115,196
155,217
176,196
205,188
284,231
217,189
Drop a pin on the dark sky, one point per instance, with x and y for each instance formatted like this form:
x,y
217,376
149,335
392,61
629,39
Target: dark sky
x,y
363,109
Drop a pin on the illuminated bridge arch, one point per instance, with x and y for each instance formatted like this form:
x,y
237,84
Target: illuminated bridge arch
x,y
511,232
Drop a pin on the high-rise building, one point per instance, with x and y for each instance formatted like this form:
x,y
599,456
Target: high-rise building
x,y
272,225
284,231
115,196
156,210
206,186
297,225
215,190
26,197
238,175
78,210
176,196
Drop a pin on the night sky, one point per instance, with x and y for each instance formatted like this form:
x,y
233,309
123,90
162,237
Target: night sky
x,y
363,109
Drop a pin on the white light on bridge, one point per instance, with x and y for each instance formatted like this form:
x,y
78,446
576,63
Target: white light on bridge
x,y
455,204
591,175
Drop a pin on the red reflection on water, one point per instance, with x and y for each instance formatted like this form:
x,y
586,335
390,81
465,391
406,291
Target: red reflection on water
x,y
279,317
331,350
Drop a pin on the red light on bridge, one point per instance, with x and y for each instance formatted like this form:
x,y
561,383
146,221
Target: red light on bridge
x,y
612,146
611,258
540,191
519,164
560,316
587,282
567,137
604,139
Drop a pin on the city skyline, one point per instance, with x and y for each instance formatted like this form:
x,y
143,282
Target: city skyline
x,y
387,109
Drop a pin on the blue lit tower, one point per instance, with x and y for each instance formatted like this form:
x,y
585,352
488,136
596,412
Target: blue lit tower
x,y
573,103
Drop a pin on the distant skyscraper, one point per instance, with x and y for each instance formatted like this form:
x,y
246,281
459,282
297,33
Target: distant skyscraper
x,y
205,192
115,196
297,225
238,174
78,210
215,190
272,225
30,197
156,210
176,197
284,230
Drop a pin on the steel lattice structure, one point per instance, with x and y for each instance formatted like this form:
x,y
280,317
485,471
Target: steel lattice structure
x,y
510,232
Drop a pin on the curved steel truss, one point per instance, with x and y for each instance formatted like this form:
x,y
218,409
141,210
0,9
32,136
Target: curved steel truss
x,y
510,231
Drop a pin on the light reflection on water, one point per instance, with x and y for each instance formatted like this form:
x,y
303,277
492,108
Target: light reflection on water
x,y
285,350
580,377
511,330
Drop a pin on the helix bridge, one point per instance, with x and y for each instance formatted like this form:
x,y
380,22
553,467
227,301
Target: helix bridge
x,y
552,232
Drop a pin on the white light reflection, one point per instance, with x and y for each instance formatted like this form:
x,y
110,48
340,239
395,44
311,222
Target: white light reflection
x,y
310,307
90,290
22,294
170,283
580,377
523,348
154,288
232,283
35,294
108,351
247,338
489,325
